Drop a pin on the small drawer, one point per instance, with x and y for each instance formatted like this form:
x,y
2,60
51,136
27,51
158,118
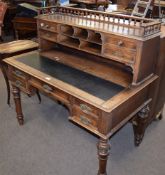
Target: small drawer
x,y
18,74
22,85
48,26
81,117
86,108
50,90
120,42
122,54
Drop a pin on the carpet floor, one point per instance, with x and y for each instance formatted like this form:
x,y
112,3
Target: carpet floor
x,y
48,144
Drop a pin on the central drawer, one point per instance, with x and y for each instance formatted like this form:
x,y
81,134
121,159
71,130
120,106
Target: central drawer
x,y
50,90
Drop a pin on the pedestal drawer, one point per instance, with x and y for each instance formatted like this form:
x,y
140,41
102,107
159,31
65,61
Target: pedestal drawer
x,y
84,119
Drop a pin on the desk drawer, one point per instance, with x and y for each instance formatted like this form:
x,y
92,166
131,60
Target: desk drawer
x,y
18,74
87,108
19,79
120,54
45,25
50,90
120,42
22,85
89,120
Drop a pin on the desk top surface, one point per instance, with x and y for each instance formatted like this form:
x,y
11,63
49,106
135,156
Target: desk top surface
x,y
95,86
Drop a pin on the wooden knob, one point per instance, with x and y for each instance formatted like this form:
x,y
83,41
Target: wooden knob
x,y
120,43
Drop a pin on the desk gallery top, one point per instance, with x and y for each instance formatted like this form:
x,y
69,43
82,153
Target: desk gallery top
x,y
132,27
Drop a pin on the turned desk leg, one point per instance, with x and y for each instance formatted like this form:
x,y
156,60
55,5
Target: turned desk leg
x,y
103,153
140,124
18,107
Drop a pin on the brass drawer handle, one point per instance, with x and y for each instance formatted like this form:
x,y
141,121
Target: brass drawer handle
x,y
47,88
18,83
19,73
85,108
85,120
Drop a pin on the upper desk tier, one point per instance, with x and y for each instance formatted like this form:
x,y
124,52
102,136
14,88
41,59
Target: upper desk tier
x,y
127,45
101,21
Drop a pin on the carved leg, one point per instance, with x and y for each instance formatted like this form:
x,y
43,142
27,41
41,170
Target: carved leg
x,y
16,94
103,153
139,125
7,82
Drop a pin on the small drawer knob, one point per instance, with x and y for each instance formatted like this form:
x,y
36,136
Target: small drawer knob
x,y
42,24
120,43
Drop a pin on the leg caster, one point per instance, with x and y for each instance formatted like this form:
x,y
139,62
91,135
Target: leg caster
x,y
18,107
159,116
103,153
140,123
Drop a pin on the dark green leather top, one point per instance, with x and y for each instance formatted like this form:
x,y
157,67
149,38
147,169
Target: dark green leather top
x,y
86,82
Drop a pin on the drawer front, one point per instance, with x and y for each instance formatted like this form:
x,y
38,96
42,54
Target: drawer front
x,y
50,90
48,26
18,74
19,79
48,35
89,120
120,54
86,108
120,42
22,85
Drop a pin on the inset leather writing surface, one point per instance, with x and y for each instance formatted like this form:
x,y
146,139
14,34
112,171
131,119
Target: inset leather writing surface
x,y
91,84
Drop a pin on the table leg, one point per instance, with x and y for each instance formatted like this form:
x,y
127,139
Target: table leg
x,y
7,82
140,124
18,107
38,95
103,153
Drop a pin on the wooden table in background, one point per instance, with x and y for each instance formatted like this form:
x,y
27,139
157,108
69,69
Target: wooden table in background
x,y
11,49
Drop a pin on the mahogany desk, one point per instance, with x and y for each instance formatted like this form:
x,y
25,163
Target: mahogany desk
x,y
97,105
